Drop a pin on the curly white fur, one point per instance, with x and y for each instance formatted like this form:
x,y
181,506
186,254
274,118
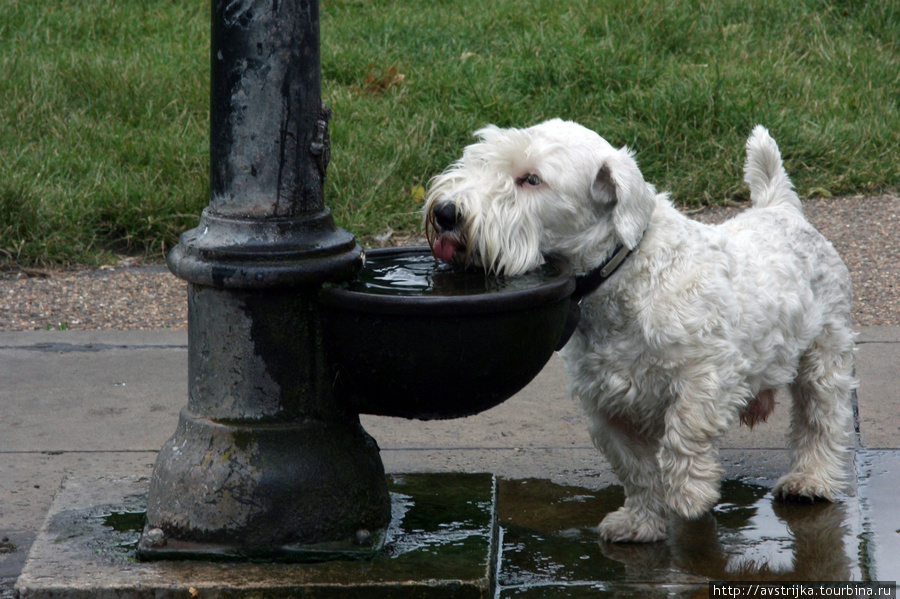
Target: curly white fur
x,y
698,326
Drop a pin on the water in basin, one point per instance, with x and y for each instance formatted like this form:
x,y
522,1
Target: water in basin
x,y
418,273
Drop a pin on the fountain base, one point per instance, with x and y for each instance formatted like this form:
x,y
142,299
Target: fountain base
x,y
442,542
227,491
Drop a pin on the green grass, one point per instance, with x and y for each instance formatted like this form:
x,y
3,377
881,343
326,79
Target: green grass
x,y
103,127
103,124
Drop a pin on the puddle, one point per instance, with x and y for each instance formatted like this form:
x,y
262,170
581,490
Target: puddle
x,y
879,491
443,526
129,524
109,531
125,521
550,547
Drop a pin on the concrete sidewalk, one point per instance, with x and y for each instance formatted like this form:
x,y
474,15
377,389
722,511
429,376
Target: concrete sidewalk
x,y
86,403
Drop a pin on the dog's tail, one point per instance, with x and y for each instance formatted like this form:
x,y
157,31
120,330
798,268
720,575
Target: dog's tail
x,y
764,172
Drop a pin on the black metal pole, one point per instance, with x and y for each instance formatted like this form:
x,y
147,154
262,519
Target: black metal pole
x,y
264,461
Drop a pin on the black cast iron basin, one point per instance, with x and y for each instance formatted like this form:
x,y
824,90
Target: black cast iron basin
x,y
467,343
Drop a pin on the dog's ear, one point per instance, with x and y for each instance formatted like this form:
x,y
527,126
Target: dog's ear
x,y
620,186
603,189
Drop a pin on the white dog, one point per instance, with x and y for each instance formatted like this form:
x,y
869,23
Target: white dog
x,y
684,327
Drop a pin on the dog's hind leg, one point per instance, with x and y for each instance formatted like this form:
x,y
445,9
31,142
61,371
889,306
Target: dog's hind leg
x,y
633,459
820,418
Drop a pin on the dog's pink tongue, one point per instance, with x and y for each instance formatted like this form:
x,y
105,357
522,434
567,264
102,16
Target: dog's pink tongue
x,y
444,249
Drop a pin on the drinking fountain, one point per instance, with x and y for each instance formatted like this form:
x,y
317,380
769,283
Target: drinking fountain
x,y
287,345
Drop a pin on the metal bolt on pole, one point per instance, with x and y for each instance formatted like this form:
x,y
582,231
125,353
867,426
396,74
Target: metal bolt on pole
x,y
264,462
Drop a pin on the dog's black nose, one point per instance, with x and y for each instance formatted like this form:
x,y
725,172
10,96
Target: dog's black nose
x,y
446,216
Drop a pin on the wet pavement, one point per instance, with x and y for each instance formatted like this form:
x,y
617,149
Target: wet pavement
x,y
472,535
879,492
91,404
551,550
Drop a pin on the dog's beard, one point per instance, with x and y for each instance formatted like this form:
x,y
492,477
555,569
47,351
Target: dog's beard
x,y
497,249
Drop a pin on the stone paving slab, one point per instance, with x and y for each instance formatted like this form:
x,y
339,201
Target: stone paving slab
x,y
30,481
442,543
878,371
76,399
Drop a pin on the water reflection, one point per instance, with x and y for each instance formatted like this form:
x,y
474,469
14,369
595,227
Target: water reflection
x,y
776,542
549,539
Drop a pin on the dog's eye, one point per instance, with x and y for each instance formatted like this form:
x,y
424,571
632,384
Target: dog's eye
x,y
530,179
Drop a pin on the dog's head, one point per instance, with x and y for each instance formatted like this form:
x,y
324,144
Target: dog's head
x,y
519,194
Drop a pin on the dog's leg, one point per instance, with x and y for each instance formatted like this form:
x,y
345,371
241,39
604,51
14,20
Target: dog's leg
x,y
688,459
820,418
643,517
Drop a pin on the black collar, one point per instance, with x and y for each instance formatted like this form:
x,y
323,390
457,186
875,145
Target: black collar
x,y
588,283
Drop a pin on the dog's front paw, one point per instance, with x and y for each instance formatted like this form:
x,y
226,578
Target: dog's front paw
x,y
693,499
799,486
627,525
